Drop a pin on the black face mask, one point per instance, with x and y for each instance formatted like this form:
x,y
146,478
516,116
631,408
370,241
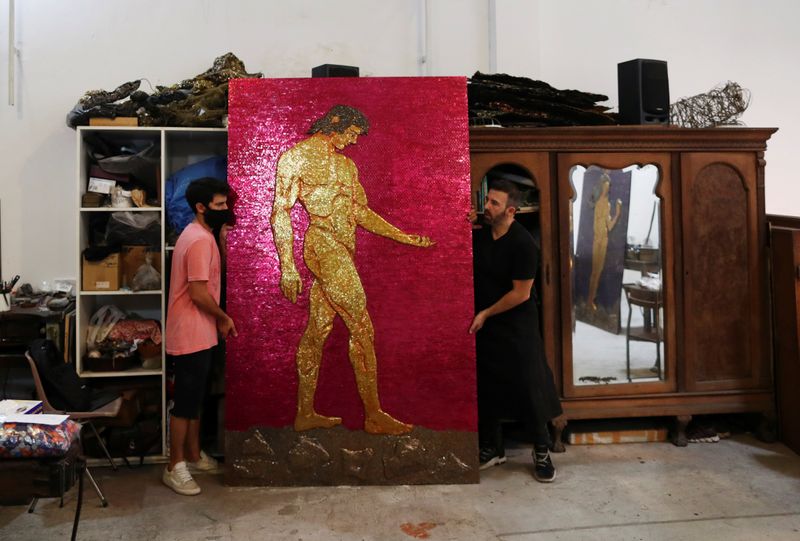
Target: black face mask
x,y
217,218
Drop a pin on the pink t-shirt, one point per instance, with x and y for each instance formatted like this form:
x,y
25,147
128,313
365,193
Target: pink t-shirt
x,y
195,259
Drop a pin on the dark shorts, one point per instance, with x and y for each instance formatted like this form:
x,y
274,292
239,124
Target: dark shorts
x,y
191,376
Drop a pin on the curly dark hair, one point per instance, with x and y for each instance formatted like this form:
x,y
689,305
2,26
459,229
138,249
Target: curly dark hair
x,y
203,191
338,119
509,188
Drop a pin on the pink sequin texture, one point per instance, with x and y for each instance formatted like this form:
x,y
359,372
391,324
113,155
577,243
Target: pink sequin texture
x,y
414,167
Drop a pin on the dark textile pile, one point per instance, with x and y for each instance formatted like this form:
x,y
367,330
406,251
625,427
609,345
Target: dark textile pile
x,y
519,101
198,102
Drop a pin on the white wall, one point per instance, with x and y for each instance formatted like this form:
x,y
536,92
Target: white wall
x,y
67,48
705,42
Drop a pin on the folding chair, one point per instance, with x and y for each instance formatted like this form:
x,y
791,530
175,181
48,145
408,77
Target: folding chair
x,y
109,410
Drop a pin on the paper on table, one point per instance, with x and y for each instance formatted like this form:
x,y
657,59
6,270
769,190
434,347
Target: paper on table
x,y
20,406
34,419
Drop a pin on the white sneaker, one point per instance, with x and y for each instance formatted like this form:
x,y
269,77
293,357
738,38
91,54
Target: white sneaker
x,y
180,480
206,463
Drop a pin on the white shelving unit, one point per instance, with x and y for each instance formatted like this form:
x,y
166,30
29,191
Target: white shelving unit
x,y
119,292
179,147
109,209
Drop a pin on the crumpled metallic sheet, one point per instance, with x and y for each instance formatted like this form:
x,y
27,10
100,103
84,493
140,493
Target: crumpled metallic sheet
x,y
414,166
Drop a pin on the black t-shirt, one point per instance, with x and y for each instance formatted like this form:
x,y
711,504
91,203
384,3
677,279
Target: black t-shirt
x,y
496,263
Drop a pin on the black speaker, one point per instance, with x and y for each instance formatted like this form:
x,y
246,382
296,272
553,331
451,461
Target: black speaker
x,y
643,90
334,70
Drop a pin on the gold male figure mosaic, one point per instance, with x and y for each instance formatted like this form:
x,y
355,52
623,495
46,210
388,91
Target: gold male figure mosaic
x,y
603,224
326,183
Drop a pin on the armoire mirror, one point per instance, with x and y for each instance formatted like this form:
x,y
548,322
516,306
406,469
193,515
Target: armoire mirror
x,y
616,274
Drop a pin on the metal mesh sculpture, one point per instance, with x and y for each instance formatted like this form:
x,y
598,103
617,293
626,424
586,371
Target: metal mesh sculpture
x,y
721,106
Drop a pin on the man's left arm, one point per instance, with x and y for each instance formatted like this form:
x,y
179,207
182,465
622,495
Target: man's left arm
x,y
525,261
374,223
520,292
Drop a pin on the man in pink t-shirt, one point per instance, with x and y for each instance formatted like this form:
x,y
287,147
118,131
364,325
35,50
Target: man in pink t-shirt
x,y
194,319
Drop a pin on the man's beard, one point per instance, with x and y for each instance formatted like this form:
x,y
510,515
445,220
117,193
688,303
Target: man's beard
x,y
488,220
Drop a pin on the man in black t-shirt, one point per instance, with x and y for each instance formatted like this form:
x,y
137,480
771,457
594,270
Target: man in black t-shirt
x,y
513,376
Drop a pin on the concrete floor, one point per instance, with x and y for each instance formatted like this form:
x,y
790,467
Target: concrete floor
x,y
737,489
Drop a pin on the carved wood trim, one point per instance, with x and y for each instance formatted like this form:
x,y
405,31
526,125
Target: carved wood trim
x,y
618,139
669,404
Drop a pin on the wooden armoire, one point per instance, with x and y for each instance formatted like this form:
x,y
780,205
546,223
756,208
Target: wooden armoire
x,y
703,192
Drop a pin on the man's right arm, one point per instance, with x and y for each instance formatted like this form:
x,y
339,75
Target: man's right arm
x,y
375,223
286,193
198,292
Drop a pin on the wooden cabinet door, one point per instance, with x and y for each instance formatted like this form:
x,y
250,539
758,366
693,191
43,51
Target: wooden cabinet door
x,y
568,220
724,320
538,165
786,311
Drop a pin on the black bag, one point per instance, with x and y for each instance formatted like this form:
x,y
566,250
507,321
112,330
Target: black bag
x,y
140,439
64,389
136,440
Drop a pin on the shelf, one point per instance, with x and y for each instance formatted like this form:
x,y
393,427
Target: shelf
x,y
118,292
176,148
121,209
642,334
151,129
132,129
133,372
190,131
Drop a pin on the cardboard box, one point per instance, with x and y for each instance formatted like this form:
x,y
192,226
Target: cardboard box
x,y
92,200
102,275
133,257
118,121
618,436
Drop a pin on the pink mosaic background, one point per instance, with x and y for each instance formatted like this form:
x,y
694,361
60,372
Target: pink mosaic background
x,y
414,166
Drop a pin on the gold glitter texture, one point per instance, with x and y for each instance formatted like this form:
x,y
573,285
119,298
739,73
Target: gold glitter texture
x,y
326,184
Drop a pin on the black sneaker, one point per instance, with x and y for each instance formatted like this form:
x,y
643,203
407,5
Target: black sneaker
x,y
543,471
491,456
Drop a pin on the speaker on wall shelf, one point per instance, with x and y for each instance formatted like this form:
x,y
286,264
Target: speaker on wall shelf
x,y
334,70
643,89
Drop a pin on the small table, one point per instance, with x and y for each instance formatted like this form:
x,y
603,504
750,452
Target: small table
x,y
25,480
650,301
21,325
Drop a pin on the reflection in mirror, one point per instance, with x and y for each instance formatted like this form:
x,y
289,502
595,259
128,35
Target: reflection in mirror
x,y
616,272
